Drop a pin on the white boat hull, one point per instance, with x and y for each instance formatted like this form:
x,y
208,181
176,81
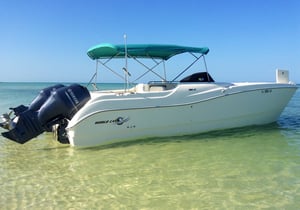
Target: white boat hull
x,y
190,105
188,109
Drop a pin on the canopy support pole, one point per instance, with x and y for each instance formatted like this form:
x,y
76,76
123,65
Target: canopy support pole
x,y
94,77
149,69
126,64
165,73
189,66
206,68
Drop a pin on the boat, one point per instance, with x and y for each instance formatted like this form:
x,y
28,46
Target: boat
x,y
184,105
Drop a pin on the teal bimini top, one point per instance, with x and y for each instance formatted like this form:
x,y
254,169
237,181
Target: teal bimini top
x,y
159,51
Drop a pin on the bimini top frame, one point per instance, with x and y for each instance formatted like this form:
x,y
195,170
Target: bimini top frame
x,y
159,53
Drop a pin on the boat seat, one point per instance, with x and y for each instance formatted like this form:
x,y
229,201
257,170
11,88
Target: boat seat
x,y
157,88
140,88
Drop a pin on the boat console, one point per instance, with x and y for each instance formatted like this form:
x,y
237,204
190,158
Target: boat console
x,y
198,77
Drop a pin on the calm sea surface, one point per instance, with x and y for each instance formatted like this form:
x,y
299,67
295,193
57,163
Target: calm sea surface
x,y
246,168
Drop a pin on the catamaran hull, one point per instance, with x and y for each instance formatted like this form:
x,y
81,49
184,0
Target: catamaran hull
x,y
222,110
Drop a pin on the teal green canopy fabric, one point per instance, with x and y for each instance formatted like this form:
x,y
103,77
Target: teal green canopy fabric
x,y
141,51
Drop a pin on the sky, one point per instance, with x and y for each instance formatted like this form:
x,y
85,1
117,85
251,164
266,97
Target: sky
x,y
47,40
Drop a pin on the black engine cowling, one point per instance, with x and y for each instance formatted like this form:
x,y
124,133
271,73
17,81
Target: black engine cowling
x,y
52,106
43,96
63,103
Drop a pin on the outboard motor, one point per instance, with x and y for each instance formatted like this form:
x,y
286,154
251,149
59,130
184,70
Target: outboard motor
x,y
63,103
43,96
54,105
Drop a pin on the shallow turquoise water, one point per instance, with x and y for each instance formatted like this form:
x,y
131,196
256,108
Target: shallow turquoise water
x,y
245,168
